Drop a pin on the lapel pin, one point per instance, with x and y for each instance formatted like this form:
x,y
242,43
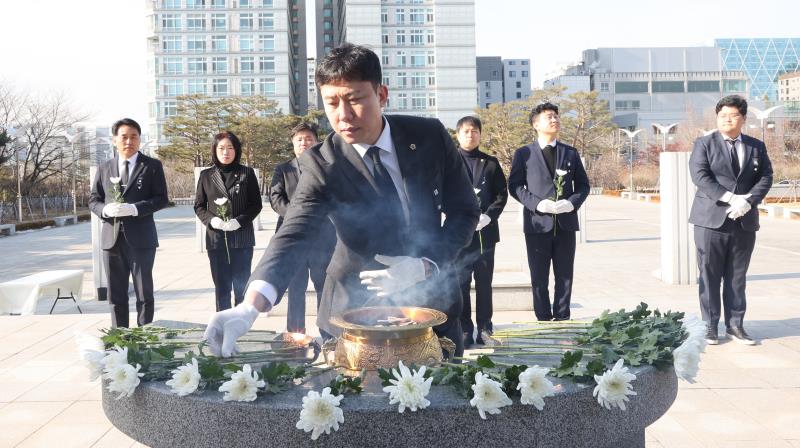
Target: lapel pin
x,y
413,147
435,192
569,164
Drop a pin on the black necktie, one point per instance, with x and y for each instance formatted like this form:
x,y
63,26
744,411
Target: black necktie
x,y
385,185
549,157
124,174
734,158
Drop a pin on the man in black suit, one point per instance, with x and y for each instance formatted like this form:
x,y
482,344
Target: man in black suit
x,y
384,182
733,174
550,218
127,190
477,259
284,184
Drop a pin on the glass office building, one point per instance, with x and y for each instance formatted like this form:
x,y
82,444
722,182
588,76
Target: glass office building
x,y
763,61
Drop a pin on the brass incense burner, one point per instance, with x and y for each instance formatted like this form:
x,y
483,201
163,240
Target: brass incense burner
x,y
379,337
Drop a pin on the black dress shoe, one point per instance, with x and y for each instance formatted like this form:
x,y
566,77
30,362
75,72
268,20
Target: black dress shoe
x,y
739,335
711,336
468,339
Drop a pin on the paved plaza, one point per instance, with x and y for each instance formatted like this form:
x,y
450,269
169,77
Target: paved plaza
x,y
743,397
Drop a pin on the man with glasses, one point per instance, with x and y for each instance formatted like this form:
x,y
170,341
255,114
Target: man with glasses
x,y
733,174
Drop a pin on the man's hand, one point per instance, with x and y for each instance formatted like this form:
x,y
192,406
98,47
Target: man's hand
x,y
126,210
483,221
225,327
403,272
217,223
564,206
230,226
546,206
111,210
739,206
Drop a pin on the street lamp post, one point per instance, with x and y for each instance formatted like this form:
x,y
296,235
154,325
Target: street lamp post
x,y
664,131
71,139
763,115
12,132
631,135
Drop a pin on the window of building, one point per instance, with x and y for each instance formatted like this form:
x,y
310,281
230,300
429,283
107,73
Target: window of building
x,y
400,16
604,87
266,64
173,87
170,108
429,15
487,94
327,12
266,21
738,85
627,105
512,74
173,66
418,80
384,59
266,3
418,60
667,86
402,79
417,37
417,16
267,86
266,42
386,80
218,4
430,36
197,87
246,43
195,22
247,64
246,21
402,101
219,65
519,84
248,86
524,62
219,43
431,79
519,95
384,16
495,74
431,100
418,100
524,73
196,44
171,44
171,4
400,59
703,86
630,86
197,66
219,22
245,3
327,26
195,4
219,87
385,38
171,22
431,58
401,37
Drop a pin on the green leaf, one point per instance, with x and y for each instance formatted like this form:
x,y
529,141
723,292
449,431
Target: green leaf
x,y
385,376
484,362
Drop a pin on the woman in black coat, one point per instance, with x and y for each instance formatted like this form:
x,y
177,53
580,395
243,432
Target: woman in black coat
x,y
228,199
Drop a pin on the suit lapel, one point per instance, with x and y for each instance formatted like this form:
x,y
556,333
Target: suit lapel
x,y
541,166
407,159
216,179
479,170
360,172
560,155
748,154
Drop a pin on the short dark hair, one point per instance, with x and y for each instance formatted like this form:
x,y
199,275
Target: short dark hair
x,y
125,122
349,62
305,126
733,101
469,119
237,146
541,108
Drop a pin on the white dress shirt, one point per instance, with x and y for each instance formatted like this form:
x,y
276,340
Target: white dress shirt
x,y
739,153
543,143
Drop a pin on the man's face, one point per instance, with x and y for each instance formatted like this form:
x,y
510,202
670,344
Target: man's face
x,y
469,137
547,123
127,141
302,141
729,121
354,109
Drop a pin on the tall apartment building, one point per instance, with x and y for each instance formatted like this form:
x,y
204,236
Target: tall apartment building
x,y
313,96
763,60
502,80
516,79
427,50
224,48
789,87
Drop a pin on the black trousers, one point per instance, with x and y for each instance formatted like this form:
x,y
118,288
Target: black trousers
x,y
315,266
227,276
723,256
481,265
544,249
124,261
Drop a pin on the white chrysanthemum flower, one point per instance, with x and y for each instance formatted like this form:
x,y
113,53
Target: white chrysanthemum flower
x,y
115,357
477,190
321,413
87,342
409,389
489,396
93,361
614,386
534,386
686,360
696,329
221,201
185,378
123,379
242,386
114,180
561,172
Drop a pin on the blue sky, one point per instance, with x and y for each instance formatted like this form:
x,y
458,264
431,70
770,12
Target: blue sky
x,y
94,50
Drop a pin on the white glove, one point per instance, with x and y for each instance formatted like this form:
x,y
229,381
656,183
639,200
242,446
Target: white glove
x,y
230,226
546,206
564,206
225,327
217,223
739,206
403,272
483,221
111,210
126,210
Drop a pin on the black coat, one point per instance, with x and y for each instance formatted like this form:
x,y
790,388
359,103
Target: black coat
x,y
492,197
244,204
146,189
336,183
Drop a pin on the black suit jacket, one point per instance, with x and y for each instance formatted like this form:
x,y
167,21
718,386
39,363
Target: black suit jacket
x,y
336,183
530,182
710,168
244,204
146,189
492,197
